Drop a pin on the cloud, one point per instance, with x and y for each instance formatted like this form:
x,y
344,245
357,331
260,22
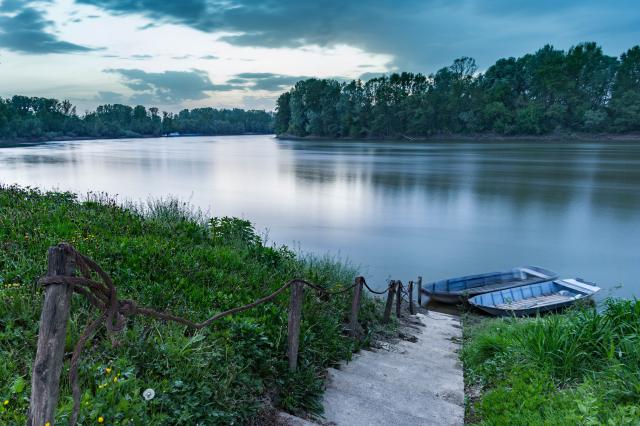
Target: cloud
x,y
168,87
141,57
26,31
420,34
259,102
208,57
108,97
265,81
369,75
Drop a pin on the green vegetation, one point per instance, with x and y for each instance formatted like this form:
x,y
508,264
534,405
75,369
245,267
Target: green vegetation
x,y
581,368
165,256
551,90
23,117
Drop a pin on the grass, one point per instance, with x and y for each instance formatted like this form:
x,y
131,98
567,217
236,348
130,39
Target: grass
x,y
577,368
167,256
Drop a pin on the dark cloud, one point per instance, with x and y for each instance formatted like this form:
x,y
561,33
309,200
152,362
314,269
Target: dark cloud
x,y
13,5
25,31
141,57
208,57
181,57
265,80
168,87
420,34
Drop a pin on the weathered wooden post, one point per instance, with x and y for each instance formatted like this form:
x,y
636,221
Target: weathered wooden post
x,y
410,291
419,291
398,298
45,382
387,309
295,314
355,306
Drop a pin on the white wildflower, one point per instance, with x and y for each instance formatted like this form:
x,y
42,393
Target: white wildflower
x,y
149,394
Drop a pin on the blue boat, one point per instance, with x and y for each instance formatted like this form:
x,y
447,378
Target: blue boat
x,y
535,298
457,290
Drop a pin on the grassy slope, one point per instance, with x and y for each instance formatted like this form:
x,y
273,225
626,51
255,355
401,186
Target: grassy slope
x,y
581,368
171,259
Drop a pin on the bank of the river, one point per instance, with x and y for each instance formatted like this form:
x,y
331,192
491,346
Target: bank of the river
x,y
166,256
577,368
38,140
556,136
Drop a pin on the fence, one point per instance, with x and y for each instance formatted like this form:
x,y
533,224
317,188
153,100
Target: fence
x,y
61,281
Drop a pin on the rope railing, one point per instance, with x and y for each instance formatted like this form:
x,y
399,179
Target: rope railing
x,y
61,282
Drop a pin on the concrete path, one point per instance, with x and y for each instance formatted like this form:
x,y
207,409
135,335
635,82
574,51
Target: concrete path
x,y
408,383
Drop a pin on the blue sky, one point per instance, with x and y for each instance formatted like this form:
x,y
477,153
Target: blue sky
x,y
243,53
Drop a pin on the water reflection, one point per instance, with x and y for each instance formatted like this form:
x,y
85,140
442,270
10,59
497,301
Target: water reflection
x,y
397,208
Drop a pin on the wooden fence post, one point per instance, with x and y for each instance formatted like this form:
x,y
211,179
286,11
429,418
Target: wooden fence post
x,y
45,382
355,306
295,314
419,291
398,298
387,309
410,291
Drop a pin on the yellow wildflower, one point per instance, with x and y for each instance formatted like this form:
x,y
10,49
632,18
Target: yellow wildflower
x,y
100,419
115,379
6,402
107,370
47,424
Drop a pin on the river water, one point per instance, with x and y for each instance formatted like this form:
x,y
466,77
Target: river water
x,y
396,209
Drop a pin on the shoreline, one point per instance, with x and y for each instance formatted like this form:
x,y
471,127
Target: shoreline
x,y
4,143
481,137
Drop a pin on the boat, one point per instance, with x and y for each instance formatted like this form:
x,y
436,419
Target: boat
x,y
457,290
535,298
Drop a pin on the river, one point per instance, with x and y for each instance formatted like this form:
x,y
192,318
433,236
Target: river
x,y
395,209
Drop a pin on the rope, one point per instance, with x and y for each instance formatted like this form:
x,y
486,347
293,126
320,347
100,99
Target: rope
x,y
373,291
324,291
115,312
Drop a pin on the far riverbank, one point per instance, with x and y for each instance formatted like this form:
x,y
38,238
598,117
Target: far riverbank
x,y
480,137
32,141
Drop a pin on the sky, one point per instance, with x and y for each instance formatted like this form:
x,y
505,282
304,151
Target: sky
x,y
176,54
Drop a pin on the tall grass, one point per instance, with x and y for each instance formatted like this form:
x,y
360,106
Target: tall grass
x,y
582,367
168,256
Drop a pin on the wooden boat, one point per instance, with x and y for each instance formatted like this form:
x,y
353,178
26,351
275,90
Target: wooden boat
x,y
456,290
534,298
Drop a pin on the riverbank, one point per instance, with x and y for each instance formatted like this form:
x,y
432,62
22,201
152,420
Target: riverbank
x,y
168,256
581,367
39,140
482,137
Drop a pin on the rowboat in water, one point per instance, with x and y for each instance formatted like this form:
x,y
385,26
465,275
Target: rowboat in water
x,y
534,298
456,290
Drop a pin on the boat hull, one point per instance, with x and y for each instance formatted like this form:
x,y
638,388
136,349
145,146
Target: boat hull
x,y
459,290
535,298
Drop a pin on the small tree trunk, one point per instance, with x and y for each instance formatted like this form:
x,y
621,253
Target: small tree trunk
x,y
387,309
399,299
419,291
45,382
295,315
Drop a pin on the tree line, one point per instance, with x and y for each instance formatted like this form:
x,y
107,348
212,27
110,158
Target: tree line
x,y
23,117
550,90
